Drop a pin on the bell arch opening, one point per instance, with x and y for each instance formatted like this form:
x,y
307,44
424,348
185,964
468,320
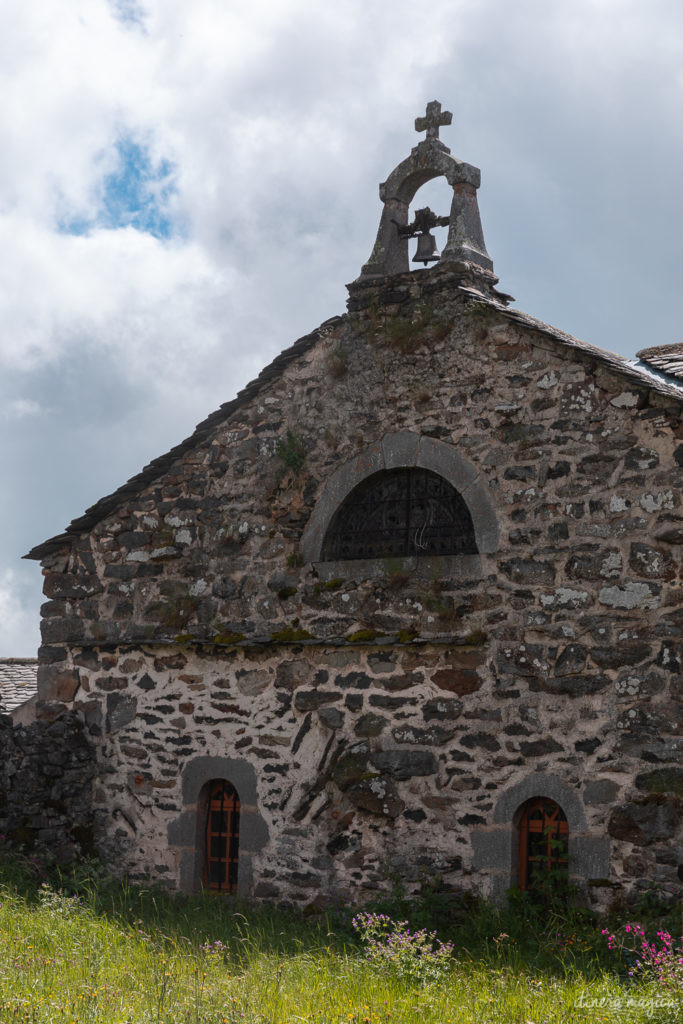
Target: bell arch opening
x,y
430,159
437,195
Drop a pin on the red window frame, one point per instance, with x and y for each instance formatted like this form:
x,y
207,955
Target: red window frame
x,y
543,842
221,835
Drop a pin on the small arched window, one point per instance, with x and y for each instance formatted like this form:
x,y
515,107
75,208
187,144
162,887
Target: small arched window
x,y
401,513
221,837
543,846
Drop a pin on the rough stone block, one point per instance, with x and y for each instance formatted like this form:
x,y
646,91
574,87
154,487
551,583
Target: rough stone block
x,y
121,710
58,684
311,700
333,718
377,796
404,764
654,819
370,724
442,709
434,736
600,791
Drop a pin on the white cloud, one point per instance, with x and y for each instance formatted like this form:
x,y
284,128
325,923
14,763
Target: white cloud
x,y
20,408
149,301
278,119
19,636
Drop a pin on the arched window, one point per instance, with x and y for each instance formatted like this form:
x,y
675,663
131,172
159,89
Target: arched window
x,y
543,843
221,837
400,513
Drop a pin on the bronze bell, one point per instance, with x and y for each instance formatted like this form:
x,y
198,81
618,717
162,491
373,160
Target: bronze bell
x,y
427,251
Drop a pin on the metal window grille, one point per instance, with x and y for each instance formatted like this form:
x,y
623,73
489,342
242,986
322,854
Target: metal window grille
x,y
222,837
543,843
401,513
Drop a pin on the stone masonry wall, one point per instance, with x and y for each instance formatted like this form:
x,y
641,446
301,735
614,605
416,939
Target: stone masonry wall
x,y
555,654
370,761
46,775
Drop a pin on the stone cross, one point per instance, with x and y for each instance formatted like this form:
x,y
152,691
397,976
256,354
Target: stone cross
x,y
433,120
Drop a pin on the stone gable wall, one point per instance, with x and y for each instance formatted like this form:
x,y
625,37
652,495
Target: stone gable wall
x,y
554,653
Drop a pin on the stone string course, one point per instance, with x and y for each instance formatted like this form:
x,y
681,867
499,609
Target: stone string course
x,y
386,711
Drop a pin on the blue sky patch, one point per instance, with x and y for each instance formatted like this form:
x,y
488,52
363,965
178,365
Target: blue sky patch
x,y
129,11
136,195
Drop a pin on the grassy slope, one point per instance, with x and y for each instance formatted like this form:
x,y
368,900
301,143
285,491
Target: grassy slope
x,y
112,954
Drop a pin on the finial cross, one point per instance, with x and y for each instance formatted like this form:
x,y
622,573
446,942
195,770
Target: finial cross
x,y
433,120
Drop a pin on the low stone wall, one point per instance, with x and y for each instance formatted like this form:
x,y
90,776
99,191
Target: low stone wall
x,y
46,772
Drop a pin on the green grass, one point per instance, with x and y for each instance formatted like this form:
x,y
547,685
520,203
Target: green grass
x,y
101,951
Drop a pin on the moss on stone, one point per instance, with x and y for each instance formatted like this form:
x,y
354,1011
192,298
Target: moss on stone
x,y
291,451
334,584
183,638
406,636
290,634
285,592
408,334
226,639
477,638
362,635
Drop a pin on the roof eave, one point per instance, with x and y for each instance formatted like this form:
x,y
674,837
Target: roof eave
x,y
157,467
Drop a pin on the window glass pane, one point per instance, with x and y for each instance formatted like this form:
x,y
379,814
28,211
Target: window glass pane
x,y
217,848
544,834
221,837
219,821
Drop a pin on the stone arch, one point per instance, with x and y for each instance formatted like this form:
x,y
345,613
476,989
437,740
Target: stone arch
x,y
540,784
495,845
428,160
185,834
405,449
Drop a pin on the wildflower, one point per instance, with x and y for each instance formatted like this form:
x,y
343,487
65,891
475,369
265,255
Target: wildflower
x,y
418,955
663,963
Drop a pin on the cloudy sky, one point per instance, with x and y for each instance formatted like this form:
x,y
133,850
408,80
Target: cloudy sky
x,y
185,189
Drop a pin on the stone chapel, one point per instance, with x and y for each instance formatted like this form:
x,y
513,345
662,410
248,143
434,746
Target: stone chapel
x,y
408,606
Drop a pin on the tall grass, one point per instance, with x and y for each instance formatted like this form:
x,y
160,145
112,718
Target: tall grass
x,y
84,948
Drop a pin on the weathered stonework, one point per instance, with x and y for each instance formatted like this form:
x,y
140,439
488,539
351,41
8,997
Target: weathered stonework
x,y
46,773
390,715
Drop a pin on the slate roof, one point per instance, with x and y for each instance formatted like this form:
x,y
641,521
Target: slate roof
x,y
640,371
637,372
157,467
18,682
667,359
